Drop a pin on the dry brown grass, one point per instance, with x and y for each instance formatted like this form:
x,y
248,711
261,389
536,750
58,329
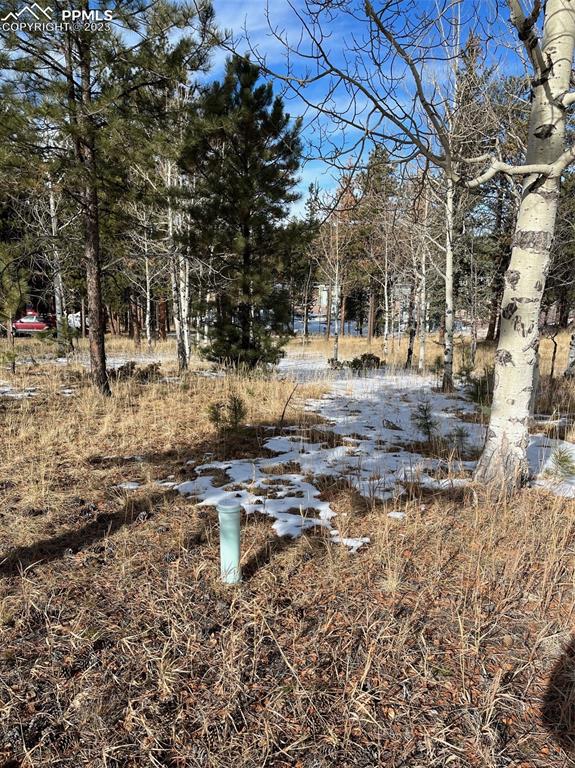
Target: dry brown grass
x,y
353,346
119,648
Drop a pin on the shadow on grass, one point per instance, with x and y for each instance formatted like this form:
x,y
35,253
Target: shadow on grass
x,y
71,541
265,554
558,710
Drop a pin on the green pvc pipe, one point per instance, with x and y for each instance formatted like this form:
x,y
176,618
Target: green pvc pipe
x,y
229,511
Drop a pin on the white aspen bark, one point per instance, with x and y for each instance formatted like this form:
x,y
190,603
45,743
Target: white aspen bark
x,y
504,458
385,302
534,389
184,301
56,268
422,313
447,385
175,282
337,290
570,369
200,304
148,316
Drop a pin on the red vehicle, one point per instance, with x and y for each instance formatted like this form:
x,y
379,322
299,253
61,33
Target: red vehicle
x,y
33,323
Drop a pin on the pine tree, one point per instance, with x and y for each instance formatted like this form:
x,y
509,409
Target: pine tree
x,y
242,153
81,84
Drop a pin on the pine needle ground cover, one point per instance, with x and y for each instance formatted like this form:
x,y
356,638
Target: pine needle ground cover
x,y
446,641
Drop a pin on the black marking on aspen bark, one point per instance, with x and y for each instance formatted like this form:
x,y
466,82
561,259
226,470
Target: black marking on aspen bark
x,y
512,276
549,195
491,434
538,287
533,344
545,131
504,357
519,327
525,300
533,240
509,310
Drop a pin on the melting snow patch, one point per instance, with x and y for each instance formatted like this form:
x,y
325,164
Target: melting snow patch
x,y
129,485
353,544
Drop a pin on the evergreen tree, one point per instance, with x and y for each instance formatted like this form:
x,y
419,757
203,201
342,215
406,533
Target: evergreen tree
x,y
242,153
81,86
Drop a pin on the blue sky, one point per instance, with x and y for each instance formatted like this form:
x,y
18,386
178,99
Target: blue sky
x,y
248,18
249,15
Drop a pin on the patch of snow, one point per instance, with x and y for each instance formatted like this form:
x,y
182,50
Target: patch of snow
x,y
129,485
372,417
352,544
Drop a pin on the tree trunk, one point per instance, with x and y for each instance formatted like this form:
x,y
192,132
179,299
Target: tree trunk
x,y
422,314
337,313
553,359
136,324
148,312
328,315
370,315
385,303
564,312
86,151
504,458
306,306
494,306
162,318
411,327
177,312
570,368
113,323
59,303
342,307
10,335
447,385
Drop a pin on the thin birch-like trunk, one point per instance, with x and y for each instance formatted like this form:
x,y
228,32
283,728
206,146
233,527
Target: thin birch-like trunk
x,y
385,302
570,368
175,276
148,315
422,313
57,282
328,315
370,315
504,458
337,290
411,326
447,385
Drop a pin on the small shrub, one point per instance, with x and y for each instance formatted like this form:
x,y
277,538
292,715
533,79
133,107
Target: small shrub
x,y
481,387
148,373
130,370
236,411
335,365
459,436
9,359
424,419
467,366
122,372
216,415
366,361
437,365
562,464
227,414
